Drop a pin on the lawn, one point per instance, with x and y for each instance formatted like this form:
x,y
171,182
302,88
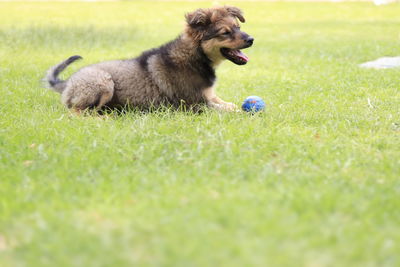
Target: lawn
x,y
313,181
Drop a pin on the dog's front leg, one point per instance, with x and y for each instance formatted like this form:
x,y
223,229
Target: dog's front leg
x,y
213,101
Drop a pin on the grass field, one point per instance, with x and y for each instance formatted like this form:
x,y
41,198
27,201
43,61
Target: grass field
x,y
313,181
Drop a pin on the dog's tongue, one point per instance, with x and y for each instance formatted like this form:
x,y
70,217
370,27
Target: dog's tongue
x,y
239,54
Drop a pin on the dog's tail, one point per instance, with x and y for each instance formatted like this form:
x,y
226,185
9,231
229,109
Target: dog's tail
x,y
52,74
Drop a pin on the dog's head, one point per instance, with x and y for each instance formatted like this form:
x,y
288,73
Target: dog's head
x,y
218,32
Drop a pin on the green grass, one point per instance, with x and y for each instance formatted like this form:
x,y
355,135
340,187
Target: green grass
x,y
313,181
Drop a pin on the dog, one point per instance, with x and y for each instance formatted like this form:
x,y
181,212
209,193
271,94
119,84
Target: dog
x,y
181,72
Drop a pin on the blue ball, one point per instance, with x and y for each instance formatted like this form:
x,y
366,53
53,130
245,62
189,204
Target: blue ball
x,y
253,104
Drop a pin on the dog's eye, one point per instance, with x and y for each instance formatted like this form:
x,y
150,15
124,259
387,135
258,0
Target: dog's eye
x,y
226,33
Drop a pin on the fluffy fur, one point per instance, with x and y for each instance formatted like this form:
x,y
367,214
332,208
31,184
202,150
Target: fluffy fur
x,y
181,72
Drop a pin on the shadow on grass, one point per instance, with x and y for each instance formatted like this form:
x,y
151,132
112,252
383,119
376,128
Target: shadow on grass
x,y
164,109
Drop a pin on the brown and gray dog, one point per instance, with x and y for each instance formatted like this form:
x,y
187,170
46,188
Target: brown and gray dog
x,y
181,72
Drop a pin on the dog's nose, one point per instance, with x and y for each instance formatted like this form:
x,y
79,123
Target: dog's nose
x,y
250,40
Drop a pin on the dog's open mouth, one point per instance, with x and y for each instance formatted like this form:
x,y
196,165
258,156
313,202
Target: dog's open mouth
x,y
234,55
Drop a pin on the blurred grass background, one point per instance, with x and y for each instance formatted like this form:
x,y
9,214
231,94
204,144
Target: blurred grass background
x,y
313,181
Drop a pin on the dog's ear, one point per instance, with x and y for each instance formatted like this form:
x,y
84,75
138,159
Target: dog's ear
x,y
236,12
199,18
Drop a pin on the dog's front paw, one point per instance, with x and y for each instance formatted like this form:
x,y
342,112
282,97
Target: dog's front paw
x,y
225,106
